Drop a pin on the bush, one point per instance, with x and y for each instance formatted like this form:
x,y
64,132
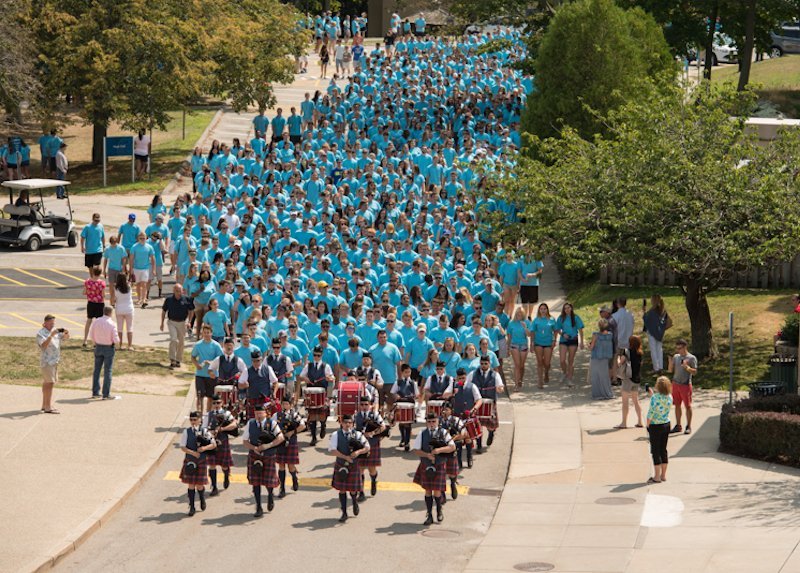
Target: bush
x,y
764,428
790,331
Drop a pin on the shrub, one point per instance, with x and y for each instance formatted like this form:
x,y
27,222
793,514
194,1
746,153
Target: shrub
x,y
790,331
764,428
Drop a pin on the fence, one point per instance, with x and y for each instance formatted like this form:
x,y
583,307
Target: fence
x,y
780,275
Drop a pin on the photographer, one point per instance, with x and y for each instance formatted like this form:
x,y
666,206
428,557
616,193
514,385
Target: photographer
x,y
48,339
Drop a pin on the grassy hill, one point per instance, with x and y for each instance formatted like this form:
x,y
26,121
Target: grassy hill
x,y
777,81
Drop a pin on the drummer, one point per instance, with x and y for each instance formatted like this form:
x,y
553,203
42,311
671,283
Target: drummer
x,y
317,374
228,368
261,456
455,426
465,399
193,472
431,474
258,380
367,416
291,424
346,477
437,384
219,421
373,381
490,386
405,390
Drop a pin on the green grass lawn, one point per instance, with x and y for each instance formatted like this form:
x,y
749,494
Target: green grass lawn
x,y
169,151
776,80
758,315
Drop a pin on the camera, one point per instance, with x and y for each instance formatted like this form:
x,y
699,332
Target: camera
x,y
62,330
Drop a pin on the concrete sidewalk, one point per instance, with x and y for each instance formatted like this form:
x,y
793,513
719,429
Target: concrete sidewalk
x,y
576,497
63,476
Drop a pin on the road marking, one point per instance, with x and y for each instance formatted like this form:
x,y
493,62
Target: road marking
x,y
40,278
22,318
326,483
65,274
5,278
61,317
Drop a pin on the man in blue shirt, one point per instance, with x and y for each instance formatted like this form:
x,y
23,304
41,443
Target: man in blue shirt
x,y
260,123
203,353
278,125
295,123
128,232
386,359
114,260
93,241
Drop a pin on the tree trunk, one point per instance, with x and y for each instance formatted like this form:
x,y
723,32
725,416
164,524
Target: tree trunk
x,y
746,55
702,343
99,131
709,44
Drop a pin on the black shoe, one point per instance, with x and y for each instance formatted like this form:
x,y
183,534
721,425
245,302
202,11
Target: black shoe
x,y
373,489
343,518
676,430
295,484
443,498
406,447
453,490
270,504
428,520
259,512
202,504
490,439
469,463
356,509
191,511
361,496
226,482
322,431
313,442
439,514
214,492
282,493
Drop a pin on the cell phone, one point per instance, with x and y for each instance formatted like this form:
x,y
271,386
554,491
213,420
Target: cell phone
x,y
644,303
647,387
62,330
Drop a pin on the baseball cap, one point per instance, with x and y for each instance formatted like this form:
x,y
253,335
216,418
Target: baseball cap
x,y
322,284
132,216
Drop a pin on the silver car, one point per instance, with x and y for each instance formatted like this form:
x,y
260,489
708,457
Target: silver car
x,y
785,40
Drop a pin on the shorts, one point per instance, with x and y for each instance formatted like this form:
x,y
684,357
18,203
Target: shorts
x,y
543,346
630,386
50,374
681,394
159,273
141,275
94,309
142,158
92,260
112,277
296,139
568,341
520,347
204,386
11,165
25,163
529,294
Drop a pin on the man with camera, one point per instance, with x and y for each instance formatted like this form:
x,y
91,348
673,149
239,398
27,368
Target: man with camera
x,y
48,339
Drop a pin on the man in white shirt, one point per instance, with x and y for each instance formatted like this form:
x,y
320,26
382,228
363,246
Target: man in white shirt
x,y
62,166
48,339
624,320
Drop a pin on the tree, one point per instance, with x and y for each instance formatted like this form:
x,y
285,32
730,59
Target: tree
x,y
18,81
253,47
128,60
596,55
677,183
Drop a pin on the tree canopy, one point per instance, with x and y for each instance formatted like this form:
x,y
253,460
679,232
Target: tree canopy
x,y
593,55
678,183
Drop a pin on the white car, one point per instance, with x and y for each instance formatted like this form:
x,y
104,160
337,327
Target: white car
x,y
725,51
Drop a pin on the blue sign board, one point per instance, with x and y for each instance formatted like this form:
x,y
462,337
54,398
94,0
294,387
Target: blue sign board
x,y
119,146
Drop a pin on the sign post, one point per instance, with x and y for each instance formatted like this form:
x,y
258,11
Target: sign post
x,y
121,146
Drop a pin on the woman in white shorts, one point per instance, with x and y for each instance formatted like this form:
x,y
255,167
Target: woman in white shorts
x,y
124,307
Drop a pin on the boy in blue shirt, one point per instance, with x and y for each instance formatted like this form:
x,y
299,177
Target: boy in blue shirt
x,y
93,241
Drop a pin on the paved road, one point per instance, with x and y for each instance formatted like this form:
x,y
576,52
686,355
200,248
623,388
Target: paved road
x,y
303,531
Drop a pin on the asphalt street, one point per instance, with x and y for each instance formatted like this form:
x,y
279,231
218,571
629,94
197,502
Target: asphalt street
x,y
302,532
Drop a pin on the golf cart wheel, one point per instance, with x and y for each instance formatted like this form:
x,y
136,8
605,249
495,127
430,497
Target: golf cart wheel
x,y
72,239
33,244
775,52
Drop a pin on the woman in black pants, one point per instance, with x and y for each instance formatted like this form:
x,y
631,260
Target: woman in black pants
x,y
658,427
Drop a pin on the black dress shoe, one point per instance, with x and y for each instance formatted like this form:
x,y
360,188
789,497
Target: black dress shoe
x,y
295,484
428,520
226,482
343,518
202,504
191,511
214,492
453,490
443,498
282,493
259,512
356,509
490,439
439,515
407,447
270,504
361,496
469,463
313,442
373,489
322,431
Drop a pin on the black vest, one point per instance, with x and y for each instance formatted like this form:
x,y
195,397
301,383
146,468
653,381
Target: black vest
x,y
259,383
278,364
485,382
439,387
463,400
317,375
405,388
228,369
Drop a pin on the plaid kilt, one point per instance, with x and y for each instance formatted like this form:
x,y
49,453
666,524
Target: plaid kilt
x,y
266,476
199,477
317,414
351,481
451,466
431,481
288,453
373,459
221,455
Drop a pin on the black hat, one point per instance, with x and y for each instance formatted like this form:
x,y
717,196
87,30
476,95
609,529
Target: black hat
x,y
347,418
255,354
485,358
461,372
366,355
364,400
447,404
317,350
260,408
430,416
440,364
215,398
276,341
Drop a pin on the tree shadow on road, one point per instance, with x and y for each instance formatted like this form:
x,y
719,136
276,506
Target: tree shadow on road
x,y
398,528
317,524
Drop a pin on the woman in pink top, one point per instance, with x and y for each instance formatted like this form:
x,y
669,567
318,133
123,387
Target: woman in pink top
x,y
94,290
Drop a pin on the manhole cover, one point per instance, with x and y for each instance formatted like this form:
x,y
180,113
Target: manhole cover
x,y
615,500
441,533
534,566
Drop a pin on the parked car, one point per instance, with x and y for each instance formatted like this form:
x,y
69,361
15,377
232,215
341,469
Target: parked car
x,y
785,40
725,50
33,217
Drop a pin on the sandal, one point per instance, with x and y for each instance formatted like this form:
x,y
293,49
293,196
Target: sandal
x,y
51,411
651,480
620,427
639,426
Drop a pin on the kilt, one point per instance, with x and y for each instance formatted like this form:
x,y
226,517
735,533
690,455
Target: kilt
x,y
352,481
317,414
198,478
288,453
451,466
373,459
221,455
431,481
266,476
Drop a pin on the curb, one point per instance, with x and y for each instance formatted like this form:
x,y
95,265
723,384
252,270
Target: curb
x,y
81,533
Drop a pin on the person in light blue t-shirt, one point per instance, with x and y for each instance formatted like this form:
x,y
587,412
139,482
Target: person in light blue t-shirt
x,y
570,329
543,329
530,270
93,241
508,273
143,267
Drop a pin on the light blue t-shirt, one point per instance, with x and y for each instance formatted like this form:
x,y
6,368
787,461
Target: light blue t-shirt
x,y
205,351
93,238
543,329
417,351
516,330
141,256
385,359
114,255
568,331
217,319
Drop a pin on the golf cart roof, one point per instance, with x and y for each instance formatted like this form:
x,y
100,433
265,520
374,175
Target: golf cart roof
x,y
33,184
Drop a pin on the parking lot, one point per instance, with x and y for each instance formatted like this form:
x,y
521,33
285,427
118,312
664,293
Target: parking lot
x,y
40,283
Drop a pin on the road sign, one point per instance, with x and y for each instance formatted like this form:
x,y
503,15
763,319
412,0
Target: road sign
x,y
118,146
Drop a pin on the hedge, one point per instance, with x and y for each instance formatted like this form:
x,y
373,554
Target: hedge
x,y
764,428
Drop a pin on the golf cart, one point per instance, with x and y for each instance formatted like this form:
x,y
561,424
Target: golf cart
x,y
27,221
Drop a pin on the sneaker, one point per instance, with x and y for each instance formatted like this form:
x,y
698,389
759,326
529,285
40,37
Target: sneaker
x,y
676,430
688,430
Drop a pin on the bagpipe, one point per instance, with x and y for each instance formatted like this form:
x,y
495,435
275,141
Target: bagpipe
x,y
265,437
353,444
439,441
288,423
371,425
219,421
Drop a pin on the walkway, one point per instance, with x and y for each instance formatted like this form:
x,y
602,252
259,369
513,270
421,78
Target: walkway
x,y
576,497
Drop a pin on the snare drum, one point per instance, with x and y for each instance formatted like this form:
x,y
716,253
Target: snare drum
x,y
251,404
404,413
314,398
486,411
227,393
473,427
435,407
280,391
